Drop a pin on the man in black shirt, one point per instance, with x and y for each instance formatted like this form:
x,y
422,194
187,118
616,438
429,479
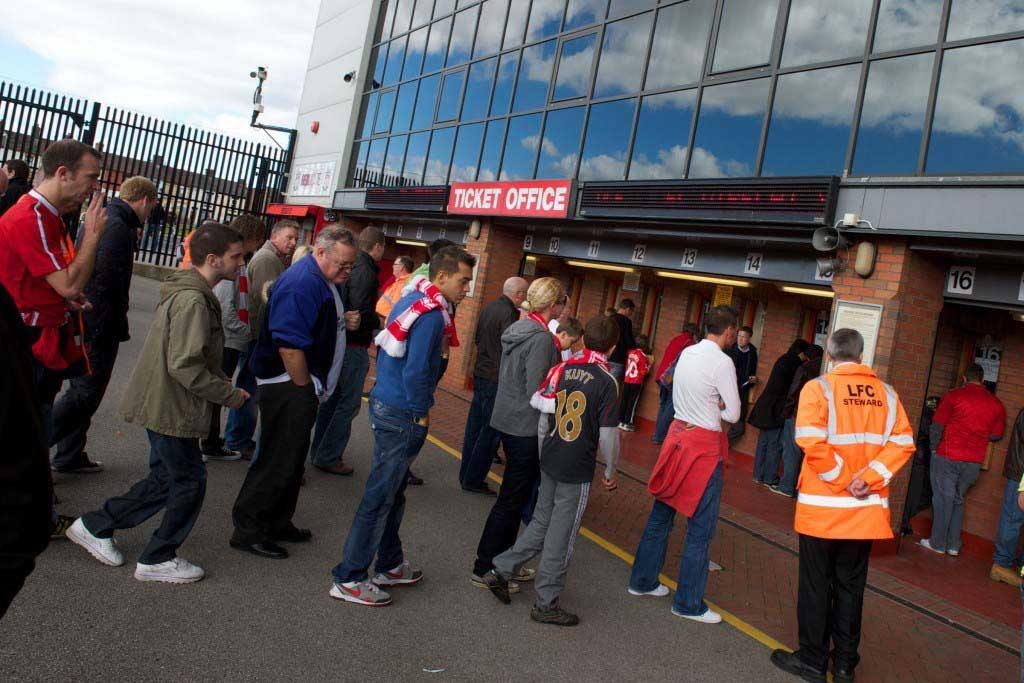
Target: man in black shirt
x,y
744,357
16,172
480,441
626,343
579,414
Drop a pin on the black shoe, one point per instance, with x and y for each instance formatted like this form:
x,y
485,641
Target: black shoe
x,y
413,480
294,535
790,662
479,488
555,616
267,549
842,672
498,586
59,529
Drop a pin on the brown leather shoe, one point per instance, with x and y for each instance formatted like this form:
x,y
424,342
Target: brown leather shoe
x,y
1004,575
339,468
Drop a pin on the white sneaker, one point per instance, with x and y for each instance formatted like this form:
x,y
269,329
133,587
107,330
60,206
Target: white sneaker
x,y
708,617
402,575
178,570
925,543
103,549
361,593
953,553
661,591
714,566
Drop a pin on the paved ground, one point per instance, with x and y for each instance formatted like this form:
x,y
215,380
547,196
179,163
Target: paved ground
x,y
254,619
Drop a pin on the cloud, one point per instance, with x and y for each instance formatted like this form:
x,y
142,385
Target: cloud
x,y
669,164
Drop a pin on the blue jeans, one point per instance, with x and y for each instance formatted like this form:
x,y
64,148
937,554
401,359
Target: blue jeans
x,y
334,421
693,569
480,442
950,481
666,411
241,425
792,458
176,484
1011,518
768,455
397,442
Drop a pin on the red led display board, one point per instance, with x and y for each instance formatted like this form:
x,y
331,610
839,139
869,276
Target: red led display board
x,y
426,198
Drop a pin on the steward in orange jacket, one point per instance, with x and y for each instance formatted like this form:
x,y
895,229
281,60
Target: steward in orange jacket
x,y
855,436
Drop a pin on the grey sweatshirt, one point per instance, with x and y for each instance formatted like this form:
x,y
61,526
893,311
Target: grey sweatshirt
x,y
527,354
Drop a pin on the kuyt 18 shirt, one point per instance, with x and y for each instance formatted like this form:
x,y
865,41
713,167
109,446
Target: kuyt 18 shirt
x,y
31,247
970,416
586,400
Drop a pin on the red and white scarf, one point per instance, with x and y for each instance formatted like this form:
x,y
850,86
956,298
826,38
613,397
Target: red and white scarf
x,y
544,398
539,319
243,296
393,338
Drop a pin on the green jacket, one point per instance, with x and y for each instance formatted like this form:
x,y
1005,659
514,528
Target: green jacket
x,y
178,374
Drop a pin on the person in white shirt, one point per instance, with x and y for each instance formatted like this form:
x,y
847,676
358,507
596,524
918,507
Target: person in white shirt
x,y
688,475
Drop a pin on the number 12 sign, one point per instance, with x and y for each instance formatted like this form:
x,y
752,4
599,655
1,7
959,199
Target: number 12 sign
x,y
960,280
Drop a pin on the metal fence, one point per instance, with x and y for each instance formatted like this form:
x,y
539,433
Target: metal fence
x,y
200,175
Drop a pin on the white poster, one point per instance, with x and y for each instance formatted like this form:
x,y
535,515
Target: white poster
x,y
312,180
866,319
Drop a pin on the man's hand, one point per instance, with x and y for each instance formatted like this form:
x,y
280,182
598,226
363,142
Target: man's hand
x,y
858,488
79,303
423,421
610,484
95,223
752,380
352,319
238,399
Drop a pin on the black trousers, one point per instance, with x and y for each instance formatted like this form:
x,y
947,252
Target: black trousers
x,y
737,429
73,411
833,574
213,442
266,503
12,577
522,471
630,397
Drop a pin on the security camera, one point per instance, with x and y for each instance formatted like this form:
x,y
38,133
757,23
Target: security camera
x,y
260,73
349,76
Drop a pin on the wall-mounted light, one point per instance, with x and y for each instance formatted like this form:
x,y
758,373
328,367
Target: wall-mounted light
x,y
411,243
827,293
474,228
864,264
600,266
703,278
531,257
1018,316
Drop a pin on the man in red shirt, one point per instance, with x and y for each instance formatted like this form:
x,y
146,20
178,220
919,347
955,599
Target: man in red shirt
x,y
39,266
967,419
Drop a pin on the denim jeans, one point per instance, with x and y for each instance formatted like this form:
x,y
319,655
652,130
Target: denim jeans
x,y
334,421
1011,518
240,430
950,481
693,569
768,455
176,484
480,442
666,411
397,441
792,458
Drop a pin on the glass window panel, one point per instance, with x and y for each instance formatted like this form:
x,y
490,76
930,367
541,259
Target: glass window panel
x,y
823,30
404,107
440,157
622,55
662,134
389,19
451,96
375,159
437,45
680,38
467,152
369,111
465,3
810,125
385,108
618,8
478,89
414,53
744,34
396,55
416,157
424,114
574,68
380,58
443,7
907,23
491,154
461,45
729,130
972,18
979,116
545,19
403,15
394,158
534,76
422,13
889,139
560,148
491,28
359,151
607,144
516,24
502,97
521,147
584,13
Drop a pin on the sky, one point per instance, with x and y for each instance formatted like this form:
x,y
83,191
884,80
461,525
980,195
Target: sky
x,y
186,61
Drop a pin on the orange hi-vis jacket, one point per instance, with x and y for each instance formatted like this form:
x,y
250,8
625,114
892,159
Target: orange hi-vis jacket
x,y
849,424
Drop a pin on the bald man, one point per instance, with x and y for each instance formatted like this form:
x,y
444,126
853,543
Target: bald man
x,y
480,443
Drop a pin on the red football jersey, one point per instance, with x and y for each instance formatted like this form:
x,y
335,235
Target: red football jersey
x,y
637,367
33,245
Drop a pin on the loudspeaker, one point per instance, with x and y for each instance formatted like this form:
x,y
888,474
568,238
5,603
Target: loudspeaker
x,y
828,239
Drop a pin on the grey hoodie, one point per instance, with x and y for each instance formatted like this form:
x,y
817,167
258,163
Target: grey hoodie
x,y
527,354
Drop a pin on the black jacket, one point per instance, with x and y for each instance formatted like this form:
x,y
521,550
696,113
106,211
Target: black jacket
x,y
15,189
496,317
746,366
767,412
804,374
626,341
360,294
111,279
1014,467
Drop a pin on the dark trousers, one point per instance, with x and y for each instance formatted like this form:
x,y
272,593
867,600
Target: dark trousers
x,y
176,484
830,600
666,412
630,397
213,442
480,441
737,429
270,492
12,578
522,472
334,421
72,414
48,384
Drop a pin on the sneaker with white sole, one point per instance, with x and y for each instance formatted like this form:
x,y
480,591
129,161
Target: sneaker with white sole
x,y
659,592
709,616
177,570
952,553
925,543
103,549
402,575
478,581
524,575
361,593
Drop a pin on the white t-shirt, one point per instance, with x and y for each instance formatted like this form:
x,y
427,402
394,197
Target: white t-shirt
x,y
705,375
